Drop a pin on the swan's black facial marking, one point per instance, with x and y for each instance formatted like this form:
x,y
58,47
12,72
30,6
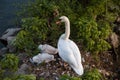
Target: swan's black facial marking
x,y
58,22
59,19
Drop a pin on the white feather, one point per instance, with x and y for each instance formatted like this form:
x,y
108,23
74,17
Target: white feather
x,y
68,50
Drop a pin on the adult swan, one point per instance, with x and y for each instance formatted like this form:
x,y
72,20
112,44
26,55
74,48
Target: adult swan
x,y
68,50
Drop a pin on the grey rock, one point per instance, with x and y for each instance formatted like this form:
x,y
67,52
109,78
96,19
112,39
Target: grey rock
x,y
83,60
24,69
22,56
10,45
3,51
114,40
8,33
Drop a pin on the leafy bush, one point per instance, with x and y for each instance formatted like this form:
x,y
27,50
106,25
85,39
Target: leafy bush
x,y
90,23
93,74
93,35
10,62
1,73
66,77
33,32
7,79
36,28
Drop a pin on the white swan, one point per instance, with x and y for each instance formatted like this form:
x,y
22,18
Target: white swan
x,y
68,50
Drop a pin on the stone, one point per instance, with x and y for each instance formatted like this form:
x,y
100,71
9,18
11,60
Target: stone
x,y
9,32
83,60
24,69
114,40
22,57
104,72
10,45
3,51
47,49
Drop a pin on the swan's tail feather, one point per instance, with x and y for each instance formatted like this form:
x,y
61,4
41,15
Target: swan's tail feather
x,y
79,70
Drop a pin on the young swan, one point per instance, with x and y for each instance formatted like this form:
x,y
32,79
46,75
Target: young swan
x,y
68,50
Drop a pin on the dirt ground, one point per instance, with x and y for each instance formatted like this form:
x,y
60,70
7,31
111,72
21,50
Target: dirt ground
x,y
105,62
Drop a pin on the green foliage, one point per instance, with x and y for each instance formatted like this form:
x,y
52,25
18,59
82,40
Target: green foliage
x,y
93,74
66,77
7,79
1,73
21,77
41,79
10,62
37,27
34,32
90,23
93,35
25,77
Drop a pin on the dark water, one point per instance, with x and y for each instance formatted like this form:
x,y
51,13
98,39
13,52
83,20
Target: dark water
x,y
8,11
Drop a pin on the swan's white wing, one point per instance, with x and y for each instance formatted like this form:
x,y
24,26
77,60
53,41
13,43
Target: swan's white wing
x,y
75,51
70,53
79,69
66,53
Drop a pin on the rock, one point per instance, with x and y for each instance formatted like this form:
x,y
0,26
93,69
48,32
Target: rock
x,y
3,51
9,32
47,49
86,66
10,45
44,57
104,72
88,54
10,39
83,60
42,74
8,73
114,40
24,69
22,57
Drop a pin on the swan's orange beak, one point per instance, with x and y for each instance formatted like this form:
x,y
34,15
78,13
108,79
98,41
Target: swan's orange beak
x,y
58,22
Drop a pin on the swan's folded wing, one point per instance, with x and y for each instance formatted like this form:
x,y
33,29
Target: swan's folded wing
x,y
67,55
75,50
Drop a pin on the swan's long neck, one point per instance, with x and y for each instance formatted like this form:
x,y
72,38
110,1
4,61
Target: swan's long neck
x,y
67,29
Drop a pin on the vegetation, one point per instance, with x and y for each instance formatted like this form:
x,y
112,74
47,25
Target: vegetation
x,y
93,35
21,77
10,62
25,77
66,77
90,23
30,36
92,74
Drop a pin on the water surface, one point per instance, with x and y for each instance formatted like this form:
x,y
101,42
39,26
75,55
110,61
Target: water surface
x,y
8,11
